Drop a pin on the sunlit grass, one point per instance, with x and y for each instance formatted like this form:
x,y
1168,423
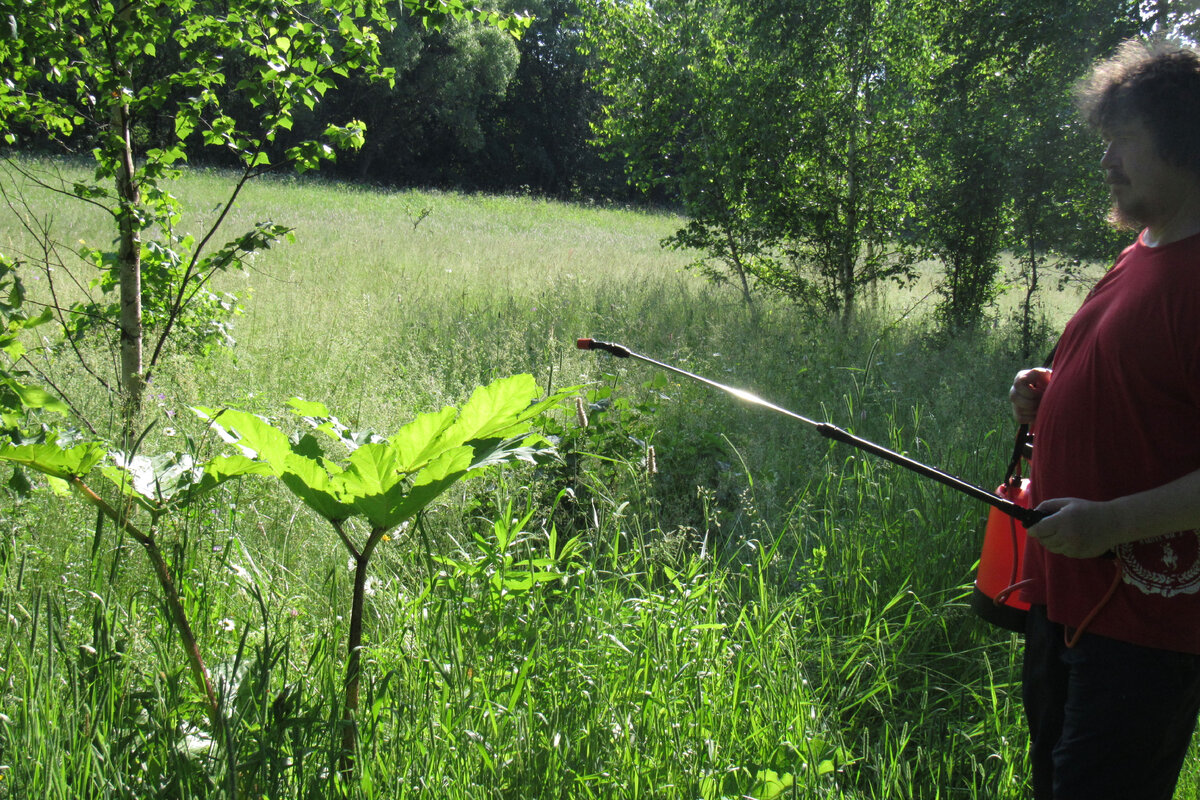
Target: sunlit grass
x,y
761,614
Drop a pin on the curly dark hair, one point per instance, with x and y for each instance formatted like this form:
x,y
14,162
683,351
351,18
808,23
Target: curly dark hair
x,y
1158,83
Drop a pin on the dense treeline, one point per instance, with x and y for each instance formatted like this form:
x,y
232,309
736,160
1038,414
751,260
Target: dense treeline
x,y
471,107
817,146
477,109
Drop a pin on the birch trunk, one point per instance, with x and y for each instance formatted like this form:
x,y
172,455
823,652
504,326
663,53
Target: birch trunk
x,y
129,265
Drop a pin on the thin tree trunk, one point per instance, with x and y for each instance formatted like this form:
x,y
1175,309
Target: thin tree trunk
x,y
129,265
863,14
1030,290
735,259
1162,16
849,256
129,243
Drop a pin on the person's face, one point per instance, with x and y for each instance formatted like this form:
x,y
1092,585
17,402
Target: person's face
x,y
1146,190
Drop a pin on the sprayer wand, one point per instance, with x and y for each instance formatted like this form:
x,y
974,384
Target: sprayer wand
x,y
1026,516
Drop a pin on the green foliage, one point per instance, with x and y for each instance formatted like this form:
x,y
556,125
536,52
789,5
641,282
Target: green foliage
x,y
538,137
227,76
817,170
169,58
159,485
502,571
53,459
18,396
386,482
175,290
1059,220
389,481
434,14
995,184
796,165
448,76
86,74
168,481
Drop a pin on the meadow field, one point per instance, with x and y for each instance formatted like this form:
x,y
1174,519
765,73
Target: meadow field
x,y
695,599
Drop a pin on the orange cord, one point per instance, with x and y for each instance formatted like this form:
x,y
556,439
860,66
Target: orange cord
x,y
1003,594
1073,639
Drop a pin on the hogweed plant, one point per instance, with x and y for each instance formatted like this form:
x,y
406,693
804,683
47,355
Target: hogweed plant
x,y
157,487
383,483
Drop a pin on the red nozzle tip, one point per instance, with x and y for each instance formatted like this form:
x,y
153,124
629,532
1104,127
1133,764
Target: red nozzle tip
x,y
583,344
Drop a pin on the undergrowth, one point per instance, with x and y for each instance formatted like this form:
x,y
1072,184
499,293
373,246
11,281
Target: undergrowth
x,y
695,599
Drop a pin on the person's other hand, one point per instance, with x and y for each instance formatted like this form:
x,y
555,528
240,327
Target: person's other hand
x,y
1078,528
1026,393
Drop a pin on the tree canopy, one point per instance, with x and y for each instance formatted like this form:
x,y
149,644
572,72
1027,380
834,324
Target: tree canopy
x,y
820,146
816,146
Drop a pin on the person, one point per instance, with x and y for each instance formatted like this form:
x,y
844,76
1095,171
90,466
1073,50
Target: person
x,y
1111,675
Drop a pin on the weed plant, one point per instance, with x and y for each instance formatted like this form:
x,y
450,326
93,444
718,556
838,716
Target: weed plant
x,y
698,599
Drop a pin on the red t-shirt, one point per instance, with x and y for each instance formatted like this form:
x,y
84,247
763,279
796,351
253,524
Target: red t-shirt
x,y
1121,415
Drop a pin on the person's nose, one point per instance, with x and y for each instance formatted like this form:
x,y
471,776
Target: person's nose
x,y
1111,157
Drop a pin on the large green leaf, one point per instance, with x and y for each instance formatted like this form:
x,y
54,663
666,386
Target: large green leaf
x,y
388,481
175,479
316,481
309,478
223,468
153,480
308,408
257,438
493,452
495,410
317,493
50,459
318,416
35,397
421,439
373,469
386,499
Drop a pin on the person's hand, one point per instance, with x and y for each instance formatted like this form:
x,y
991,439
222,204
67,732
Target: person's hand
x,y
1026,393
1078,528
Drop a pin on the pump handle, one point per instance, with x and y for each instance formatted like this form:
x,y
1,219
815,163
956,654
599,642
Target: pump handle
x,y
1029,516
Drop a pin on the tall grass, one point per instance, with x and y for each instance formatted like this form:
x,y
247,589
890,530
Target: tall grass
x,y
698,600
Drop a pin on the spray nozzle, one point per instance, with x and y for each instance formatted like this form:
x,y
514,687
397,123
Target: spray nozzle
x,y
587,343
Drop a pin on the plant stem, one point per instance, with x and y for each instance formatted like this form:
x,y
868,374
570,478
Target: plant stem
x,y
171,596
354,655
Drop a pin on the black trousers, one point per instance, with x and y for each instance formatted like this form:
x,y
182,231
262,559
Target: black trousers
x,y
1107,720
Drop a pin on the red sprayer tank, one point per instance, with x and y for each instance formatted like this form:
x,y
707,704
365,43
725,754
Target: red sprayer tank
x,y
996,597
